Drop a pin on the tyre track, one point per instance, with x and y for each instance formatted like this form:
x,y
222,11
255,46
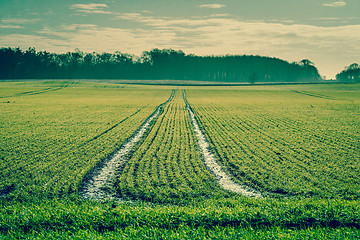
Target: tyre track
x,y
88,141
111,128
318,95
210,160
99,179
36,92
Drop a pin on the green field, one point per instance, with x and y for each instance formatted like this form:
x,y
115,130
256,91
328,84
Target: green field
x,y
286,142
299,145
166,167
50,140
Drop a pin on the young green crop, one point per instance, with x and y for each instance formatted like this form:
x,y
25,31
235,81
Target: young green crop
x,y
224,217
281,140
50,140
166,167
300,140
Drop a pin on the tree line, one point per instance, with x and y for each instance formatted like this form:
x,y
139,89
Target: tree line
x,y
16,63
350,74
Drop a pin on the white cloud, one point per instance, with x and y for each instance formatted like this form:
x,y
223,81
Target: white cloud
x,y
214,6
288,21
91,8
15,23
326,46
335,4
89,38
10,26
328,18
220,15
129,16
19,20
39,42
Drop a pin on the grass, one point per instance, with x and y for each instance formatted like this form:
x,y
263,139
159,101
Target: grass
x,y
200,233
52,133
295,142
52,139
226,216
166,166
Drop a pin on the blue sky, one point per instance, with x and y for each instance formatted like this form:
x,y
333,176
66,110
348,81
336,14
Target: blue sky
x,y
325,31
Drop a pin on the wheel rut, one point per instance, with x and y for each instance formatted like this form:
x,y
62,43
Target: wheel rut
x,y
211,162
111,128
99,179
36,92
317,95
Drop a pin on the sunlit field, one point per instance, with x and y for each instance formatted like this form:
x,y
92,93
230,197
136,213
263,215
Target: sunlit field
x,y
292,140
298,145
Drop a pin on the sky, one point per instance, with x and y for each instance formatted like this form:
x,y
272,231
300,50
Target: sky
x,y
327,32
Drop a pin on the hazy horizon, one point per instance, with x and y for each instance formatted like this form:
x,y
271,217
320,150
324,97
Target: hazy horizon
x,y
326,32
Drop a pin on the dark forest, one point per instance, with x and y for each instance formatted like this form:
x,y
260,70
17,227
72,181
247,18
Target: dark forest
x,y
16,63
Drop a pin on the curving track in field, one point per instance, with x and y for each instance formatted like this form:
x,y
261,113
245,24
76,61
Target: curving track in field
x,y
210,160
318,95
95,184
36,92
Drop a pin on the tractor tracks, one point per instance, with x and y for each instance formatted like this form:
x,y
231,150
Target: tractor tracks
x,y
99,179
36,92
210,160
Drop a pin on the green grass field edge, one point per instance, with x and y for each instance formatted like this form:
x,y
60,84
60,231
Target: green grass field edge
x,y
236,212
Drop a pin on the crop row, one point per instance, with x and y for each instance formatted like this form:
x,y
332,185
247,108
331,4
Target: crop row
x,y
167,166
292,148
50,141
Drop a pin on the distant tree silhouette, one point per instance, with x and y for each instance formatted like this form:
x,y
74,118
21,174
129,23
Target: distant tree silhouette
x,y
306,63
153,64
350,74
353,66
253,78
